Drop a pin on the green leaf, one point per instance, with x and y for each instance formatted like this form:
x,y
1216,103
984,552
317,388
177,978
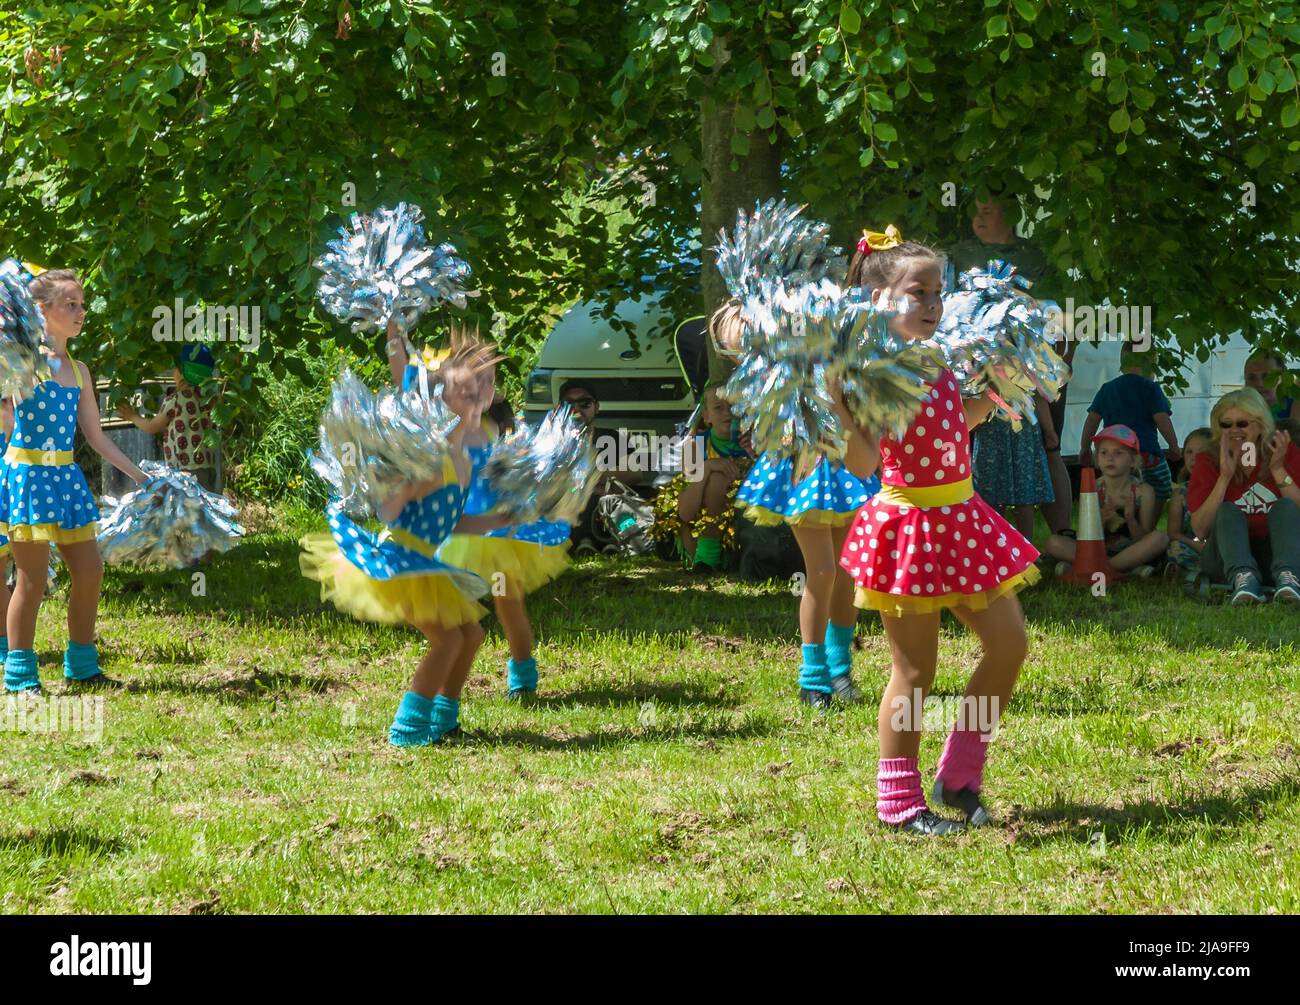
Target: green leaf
x,y
1290,115
885,132
1137,40
1024,40
1237,77
850,20
1082,33
1229,37
1119,120
866,156
996,26
719,13
1026,9
1117,91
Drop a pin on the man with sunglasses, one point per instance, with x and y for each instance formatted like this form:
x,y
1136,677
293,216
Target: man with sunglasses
x,y
586,406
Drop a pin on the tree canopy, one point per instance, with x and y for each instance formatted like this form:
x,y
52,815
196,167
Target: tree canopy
x,y
207,150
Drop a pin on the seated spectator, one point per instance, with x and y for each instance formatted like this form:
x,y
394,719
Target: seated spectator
x,y
1261,373
1245,500
700,512
1129,510
1134,400
1184,546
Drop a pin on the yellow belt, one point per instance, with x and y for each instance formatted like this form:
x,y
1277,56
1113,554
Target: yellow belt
x,y
408,540
928,495
45,458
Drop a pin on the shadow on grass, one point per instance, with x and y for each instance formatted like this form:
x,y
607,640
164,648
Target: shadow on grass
x,y
59,841
634,694
240,686
618,737
1082,822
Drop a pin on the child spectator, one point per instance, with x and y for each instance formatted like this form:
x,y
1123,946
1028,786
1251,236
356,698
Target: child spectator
x,y
700,511
184,415
1134,400
1184,546
1010,467
1129,511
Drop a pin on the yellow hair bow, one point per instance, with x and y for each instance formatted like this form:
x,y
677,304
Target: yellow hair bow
x,y
873,240
32,269
434,358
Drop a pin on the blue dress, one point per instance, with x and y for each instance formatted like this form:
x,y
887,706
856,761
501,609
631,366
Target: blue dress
x,y
829,495
528,555
396,576
43,493
1010,467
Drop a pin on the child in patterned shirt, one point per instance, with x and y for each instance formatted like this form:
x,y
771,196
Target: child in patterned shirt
x,y
184,417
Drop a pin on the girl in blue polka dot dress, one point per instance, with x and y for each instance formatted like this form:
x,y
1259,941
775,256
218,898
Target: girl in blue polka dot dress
x,y
395,577
819,507
516,560
44,497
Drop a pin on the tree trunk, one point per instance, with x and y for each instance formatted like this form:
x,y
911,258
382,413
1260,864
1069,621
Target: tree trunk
x,y
723,191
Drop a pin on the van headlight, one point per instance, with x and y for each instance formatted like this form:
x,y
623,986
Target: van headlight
x,y
539,387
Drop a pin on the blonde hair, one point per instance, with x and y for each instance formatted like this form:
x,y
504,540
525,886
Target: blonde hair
x,y
727,330
1248,400
44,287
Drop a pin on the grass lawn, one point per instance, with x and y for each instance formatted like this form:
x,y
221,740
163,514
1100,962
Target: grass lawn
x,y
1148,763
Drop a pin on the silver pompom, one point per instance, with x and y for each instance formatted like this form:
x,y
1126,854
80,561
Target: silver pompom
x,y
546,472
775,247
995,337
22,333
380,269
371,443
170,521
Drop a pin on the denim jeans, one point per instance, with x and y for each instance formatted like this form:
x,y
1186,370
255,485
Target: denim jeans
x,y
1230,550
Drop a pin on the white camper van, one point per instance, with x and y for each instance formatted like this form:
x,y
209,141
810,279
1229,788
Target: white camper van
x,y
641,387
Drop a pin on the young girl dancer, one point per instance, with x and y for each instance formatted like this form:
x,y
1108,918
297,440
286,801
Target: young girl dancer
x,y
926,542
44,496
396,576
514,560
818,508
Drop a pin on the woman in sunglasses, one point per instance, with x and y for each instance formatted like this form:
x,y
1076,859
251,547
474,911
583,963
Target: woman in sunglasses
x,y
1245,500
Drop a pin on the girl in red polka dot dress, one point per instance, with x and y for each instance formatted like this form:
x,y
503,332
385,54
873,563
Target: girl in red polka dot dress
x,y
926,542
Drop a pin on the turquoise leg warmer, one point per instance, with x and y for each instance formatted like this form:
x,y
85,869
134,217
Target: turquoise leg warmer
x,y
522,674
813,673
411,725
80,662
446,715
839,648
20,670
4,648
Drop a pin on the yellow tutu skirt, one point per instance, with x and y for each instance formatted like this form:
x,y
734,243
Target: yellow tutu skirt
x,y
765,517
526,565
427,599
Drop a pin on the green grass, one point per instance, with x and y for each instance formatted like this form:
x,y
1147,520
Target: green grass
x,y
1148,762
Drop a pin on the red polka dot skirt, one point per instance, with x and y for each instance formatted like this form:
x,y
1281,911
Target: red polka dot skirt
x,y
926,541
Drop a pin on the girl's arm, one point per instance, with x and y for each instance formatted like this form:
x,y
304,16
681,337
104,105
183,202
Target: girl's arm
x,y
1148,515
481,523
155,425
1090,426
397,355
1043,409
88,420
7,416
863,454
1174,517
977,409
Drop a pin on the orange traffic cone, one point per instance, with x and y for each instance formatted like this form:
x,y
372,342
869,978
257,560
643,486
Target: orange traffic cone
x,y
1090,544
